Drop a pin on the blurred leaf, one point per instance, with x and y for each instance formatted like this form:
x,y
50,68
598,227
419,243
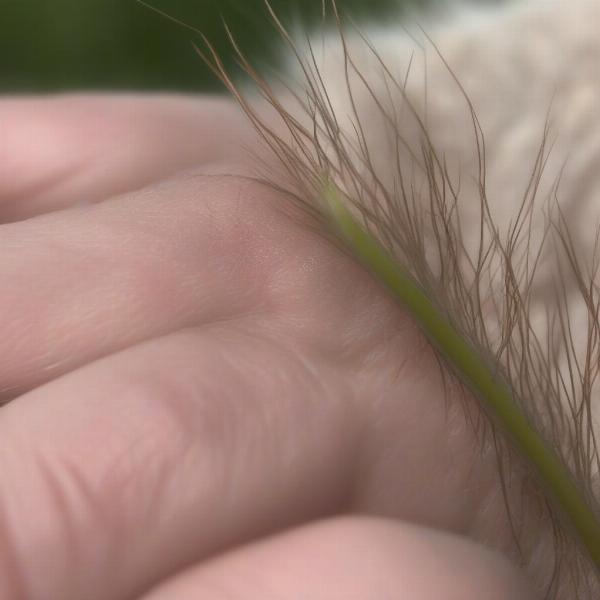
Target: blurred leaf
x,y
123,44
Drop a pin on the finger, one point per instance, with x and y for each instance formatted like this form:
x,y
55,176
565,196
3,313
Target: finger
x,y
129,469
87,282
158,456
352,557
63,150
155,458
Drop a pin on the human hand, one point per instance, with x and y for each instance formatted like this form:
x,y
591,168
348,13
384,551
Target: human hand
x,y
201,386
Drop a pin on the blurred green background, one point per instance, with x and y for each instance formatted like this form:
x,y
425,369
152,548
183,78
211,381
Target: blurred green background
x,y
65,44
60,44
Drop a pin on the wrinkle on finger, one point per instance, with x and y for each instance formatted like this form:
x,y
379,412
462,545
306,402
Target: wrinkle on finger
x,y
137,465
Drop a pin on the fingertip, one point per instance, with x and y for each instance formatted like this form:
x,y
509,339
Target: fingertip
x,y
353,557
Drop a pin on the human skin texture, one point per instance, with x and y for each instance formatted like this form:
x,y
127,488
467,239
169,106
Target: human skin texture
x,y
206,398
194,370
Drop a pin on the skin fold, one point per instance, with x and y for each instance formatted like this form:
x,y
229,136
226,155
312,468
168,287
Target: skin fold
x,y
205,398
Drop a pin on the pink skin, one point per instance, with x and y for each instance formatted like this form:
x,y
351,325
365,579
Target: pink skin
x,y
201,386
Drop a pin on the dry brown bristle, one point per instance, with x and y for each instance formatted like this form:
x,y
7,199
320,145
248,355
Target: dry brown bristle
x,y
486,291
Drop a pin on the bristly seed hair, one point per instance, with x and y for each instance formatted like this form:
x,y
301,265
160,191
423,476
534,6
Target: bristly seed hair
x,y
471,292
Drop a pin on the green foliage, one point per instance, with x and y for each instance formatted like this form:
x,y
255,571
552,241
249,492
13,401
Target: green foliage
x,y
123,44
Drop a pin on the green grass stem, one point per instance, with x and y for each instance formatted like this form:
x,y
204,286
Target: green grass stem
x,y
473,370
